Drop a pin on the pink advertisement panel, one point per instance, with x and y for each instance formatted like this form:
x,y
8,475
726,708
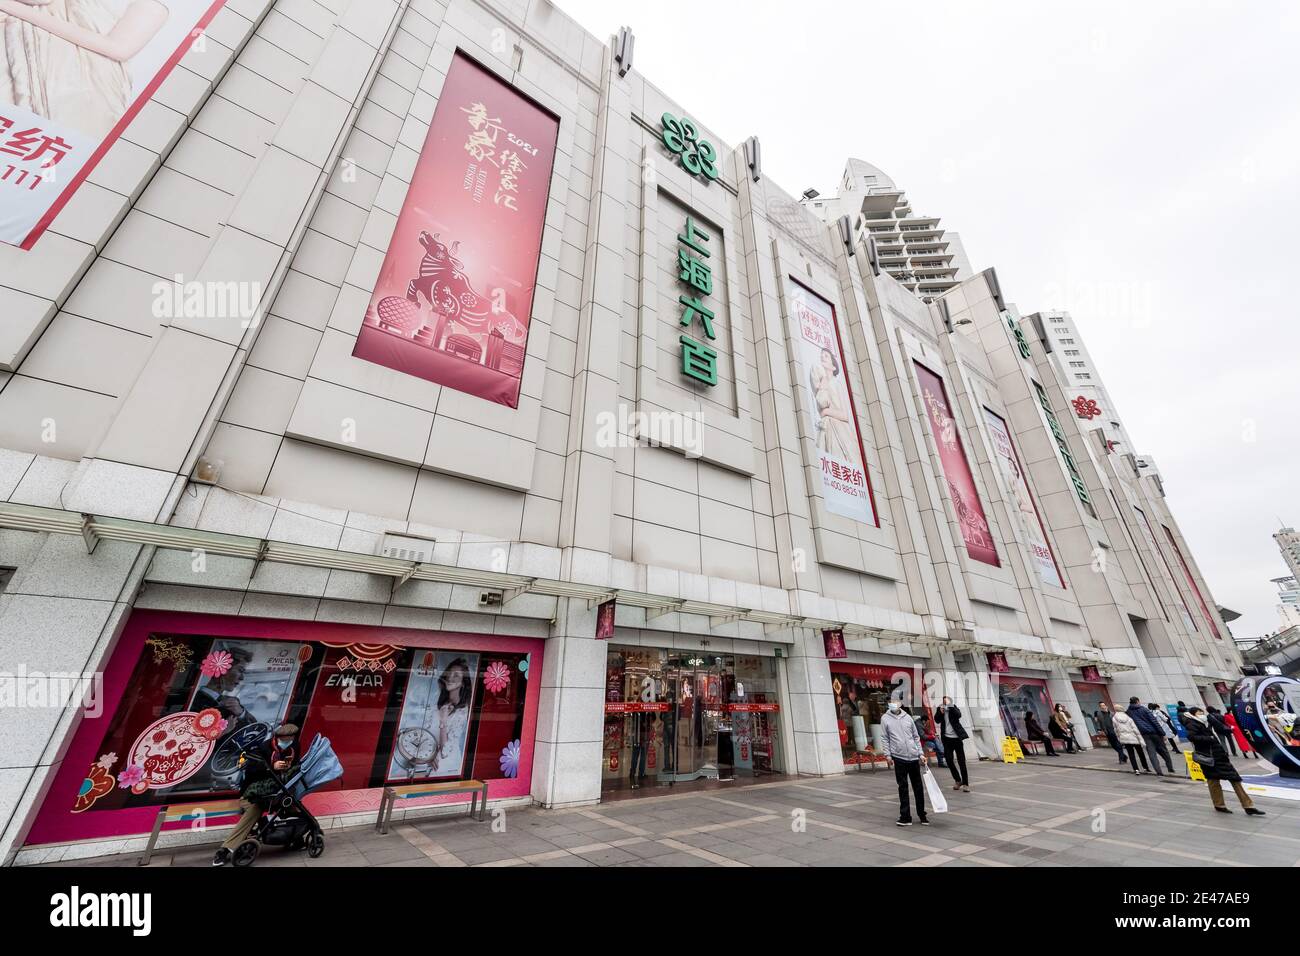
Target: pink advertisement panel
x,y
841,457
1191,583
1026,511
455,293
73,74
956,469
185,694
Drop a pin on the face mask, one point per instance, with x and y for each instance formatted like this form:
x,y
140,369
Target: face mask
x,y
284,744
894,706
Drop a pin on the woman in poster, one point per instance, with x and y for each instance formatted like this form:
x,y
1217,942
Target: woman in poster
x,y
834,427
455,689
67,60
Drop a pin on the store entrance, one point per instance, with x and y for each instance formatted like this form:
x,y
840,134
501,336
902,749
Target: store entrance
x,y
678,716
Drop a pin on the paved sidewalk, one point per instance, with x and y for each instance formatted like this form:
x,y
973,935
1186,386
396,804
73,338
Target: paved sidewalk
x,y
1039,813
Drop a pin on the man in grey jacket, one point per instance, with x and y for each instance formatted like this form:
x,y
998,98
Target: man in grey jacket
x,y
902,746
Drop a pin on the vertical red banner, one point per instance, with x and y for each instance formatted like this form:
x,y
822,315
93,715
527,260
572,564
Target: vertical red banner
x,y
956,469
455,294
1191,582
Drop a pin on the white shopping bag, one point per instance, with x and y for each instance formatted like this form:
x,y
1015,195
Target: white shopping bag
x,y
938,803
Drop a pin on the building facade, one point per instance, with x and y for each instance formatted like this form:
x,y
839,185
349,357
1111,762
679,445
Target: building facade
x,y
419,373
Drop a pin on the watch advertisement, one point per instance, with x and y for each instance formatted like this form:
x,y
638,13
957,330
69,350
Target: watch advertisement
x,y
186,695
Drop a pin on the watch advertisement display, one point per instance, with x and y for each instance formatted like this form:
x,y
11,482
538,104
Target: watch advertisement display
x,y
186,695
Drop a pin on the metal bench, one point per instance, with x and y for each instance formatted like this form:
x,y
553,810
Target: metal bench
x,y
477,789
226,810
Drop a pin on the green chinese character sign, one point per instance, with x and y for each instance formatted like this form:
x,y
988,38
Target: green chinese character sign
x,y
698,360
682,137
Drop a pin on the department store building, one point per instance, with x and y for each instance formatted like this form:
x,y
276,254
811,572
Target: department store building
x,y
420,374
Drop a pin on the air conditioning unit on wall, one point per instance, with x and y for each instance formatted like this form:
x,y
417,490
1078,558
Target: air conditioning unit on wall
x,y
407,548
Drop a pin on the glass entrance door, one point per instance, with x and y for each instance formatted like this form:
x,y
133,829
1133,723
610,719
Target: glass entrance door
x,y
698,731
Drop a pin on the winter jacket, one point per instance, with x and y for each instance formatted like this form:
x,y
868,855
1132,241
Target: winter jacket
x,y
1107,721
1126,730
1145,720
951,716
1204,741
1237,734
901,741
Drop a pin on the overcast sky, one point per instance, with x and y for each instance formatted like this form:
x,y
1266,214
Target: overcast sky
x,y
1135,164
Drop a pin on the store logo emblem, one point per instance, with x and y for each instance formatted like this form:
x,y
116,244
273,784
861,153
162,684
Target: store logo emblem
x,y
75,909
682,137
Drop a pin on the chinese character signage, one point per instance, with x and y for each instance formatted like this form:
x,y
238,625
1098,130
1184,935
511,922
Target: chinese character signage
x,y
455,293
997,662
1031,523
819,358
683,138
1062,447
699,361
73,74
956,469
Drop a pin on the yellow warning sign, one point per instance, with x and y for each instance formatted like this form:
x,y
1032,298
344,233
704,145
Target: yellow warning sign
x,y
1011,752
1194,770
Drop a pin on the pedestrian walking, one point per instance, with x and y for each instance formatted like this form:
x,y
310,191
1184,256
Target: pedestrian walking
x,y
1221,730
948,719
1062,728
902,745
1171,732
1106,721
1034,731
1131,738
1231,720
1209,753
1153,735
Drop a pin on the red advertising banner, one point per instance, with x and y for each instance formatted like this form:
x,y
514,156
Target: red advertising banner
x,y
997,662
638,707
961,484
752,708
73,74
1191,582
1090,673
833,641
605,620
455,294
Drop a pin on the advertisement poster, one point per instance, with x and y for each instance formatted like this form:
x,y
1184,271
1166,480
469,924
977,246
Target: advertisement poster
x,y
956,469
1031,523
73,74
1191,583
455,293
181,706
833,643
819,356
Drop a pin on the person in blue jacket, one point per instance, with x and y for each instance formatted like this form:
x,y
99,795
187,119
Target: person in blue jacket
x,y
1153,735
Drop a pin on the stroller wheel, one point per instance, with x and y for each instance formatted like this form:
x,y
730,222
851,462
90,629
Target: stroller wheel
x,y
315,844
246,853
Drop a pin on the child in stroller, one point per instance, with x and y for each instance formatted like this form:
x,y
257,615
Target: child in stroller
x,y
274,783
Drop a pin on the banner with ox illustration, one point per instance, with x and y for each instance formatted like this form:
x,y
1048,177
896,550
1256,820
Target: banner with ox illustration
x,y
455,294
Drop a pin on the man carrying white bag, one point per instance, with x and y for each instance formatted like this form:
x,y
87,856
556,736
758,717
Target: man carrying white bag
x,y
902,746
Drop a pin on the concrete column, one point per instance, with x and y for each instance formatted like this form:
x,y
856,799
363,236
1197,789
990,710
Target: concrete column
x,y
570,716
810,708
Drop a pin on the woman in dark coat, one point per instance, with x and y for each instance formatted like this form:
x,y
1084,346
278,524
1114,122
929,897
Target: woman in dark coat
x,y
1213,759
1035,732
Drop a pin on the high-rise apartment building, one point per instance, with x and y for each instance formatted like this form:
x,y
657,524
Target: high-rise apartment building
x,y
925,258
1288,542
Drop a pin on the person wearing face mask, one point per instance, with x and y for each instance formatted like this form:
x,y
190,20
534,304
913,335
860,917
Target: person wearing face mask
x,y
1213,759
902,746
277,754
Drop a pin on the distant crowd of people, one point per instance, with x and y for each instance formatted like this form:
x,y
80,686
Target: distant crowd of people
x,y
1142,736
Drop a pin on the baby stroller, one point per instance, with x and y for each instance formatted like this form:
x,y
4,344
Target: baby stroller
x,y
287,822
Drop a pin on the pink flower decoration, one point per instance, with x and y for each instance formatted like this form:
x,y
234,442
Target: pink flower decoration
x,y
497,677
107,761
209,723
216,663
130,776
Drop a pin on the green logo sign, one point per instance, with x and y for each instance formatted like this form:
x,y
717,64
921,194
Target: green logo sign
x,y
698,360
1063,447
681,137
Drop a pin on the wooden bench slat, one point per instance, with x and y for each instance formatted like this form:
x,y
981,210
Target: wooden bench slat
x,y
456,786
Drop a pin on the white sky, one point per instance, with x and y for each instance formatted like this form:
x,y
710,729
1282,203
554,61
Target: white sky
x,y
1133,163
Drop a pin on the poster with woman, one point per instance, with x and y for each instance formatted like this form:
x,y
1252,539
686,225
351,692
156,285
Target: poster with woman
x,y
819,360
73,74
1026,512
433,728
